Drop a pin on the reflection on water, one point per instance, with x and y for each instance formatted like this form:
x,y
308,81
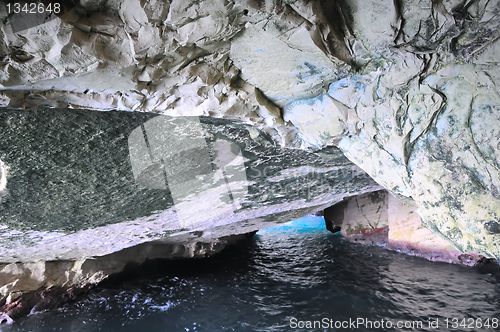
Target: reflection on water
x,y
304,273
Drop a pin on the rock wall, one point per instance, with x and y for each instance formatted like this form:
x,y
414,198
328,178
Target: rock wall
x,y
86,183
378,218
411,98
41,285
427,111
364,218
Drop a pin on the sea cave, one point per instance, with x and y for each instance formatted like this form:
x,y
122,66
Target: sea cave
x,y
278,164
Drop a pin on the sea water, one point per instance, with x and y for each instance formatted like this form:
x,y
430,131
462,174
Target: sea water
x,y
295,277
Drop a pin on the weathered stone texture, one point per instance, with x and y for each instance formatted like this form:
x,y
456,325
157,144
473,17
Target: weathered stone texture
x,y
86,183
381,219
36,286
407,90
365,219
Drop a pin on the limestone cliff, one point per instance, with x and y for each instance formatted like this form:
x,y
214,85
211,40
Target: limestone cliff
x,y
407,90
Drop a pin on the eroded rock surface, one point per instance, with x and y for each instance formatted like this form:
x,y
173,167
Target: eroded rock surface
x,y
36,286
75,176
378,218
411,98
407,90
364,218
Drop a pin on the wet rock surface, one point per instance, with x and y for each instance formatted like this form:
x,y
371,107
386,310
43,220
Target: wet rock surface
x,y
83,174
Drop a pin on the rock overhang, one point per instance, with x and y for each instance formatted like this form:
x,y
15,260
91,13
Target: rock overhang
x,y
413,107
86,183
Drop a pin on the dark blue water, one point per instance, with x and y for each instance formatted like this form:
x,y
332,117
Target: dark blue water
x,y
285,278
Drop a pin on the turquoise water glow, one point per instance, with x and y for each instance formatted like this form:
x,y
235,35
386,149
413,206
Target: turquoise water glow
x,y
309,225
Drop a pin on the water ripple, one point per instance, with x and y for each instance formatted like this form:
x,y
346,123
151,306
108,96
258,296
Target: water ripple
x,y
304,273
